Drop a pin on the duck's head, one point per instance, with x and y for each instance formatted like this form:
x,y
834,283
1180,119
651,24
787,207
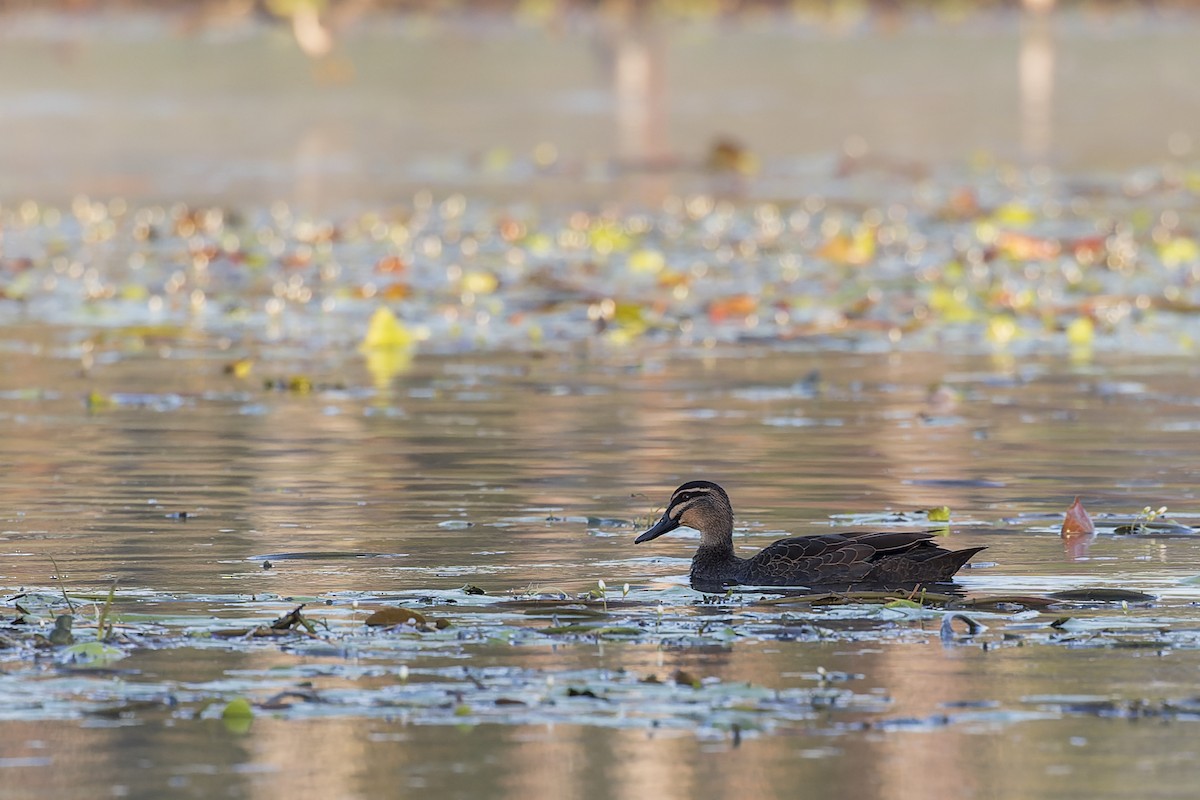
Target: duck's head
x,y
701,505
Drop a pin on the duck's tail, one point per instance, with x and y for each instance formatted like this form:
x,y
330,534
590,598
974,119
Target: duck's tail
x,y
951,562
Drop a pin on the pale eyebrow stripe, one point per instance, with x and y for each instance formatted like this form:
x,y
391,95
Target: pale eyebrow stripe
x,y
690,494
678,506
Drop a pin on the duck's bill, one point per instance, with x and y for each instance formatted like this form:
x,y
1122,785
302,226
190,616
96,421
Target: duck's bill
x,y
664,525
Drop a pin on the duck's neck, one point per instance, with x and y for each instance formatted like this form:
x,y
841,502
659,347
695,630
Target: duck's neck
x,y
715,563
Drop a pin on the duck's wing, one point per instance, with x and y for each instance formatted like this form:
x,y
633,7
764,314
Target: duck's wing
x,y
833,557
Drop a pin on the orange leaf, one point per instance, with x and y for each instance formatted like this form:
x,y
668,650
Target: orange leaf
x,y
1023,247
389,264
395,291
1089,249
739,305
1077,521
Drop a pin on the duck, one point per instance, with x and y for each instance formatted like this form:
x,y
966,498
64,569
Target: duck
x,y
867,560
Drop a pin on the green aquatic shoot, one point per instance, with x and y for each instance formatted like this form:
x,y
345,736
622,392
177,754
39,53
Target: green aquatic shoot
x,y
104,625
1143,520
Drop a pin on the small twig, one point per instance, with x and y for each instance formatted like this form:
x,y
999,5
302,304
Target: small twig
x,y
58,577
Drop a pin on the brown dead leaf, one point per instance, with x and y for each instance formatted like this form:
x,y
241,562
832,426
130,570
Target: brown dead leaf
x,y
1077,521
395,615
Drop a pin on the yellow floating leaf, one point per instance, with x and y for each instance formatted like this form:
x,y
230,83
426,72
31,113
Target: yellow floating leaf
x,y
1015,214
1178,251
385,363
240,368
96,400
498,159
852,250
1001,329
134,291
1081,331
607,237
479,282
629,316
647,261
939,514
951,304
539,244
385,331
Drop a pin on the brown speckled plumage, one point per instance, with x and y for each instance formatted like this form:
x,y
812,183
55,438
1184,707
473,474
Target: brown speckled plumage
x,y
891,559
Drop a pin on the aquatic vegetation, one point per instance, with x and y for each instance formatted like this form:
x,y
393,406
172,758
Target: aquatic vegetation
x,y
444,274
477,669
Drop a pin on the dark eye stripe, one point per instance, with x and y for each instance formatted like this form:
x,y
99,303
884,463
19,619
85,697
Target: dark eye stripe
x,y
690,494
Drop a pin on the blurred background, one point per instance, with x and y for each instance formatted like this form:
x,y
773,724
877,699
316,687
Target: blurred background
x,y
335,103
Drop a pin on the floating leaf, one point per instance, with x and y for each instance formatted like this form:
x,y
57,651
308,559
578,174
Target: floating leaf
x,y
1077,522
240,368
730,156
479,282
608,237
939,514
1179,251
93,653
395,615
737,306
647,261
388,346
1015,214
237,715
1102,595
1081,331
1022,247
951,305
395,291
851,250
385,331
1161,527
1001,329
390,264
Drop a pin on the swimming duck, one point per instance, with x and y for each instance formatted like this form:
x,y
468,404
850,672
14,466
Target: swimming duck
x,y
892,559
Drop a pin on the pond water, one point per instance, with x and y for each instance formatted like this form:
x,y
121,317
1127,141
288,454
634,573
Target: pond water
x,y
208,423
529,476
